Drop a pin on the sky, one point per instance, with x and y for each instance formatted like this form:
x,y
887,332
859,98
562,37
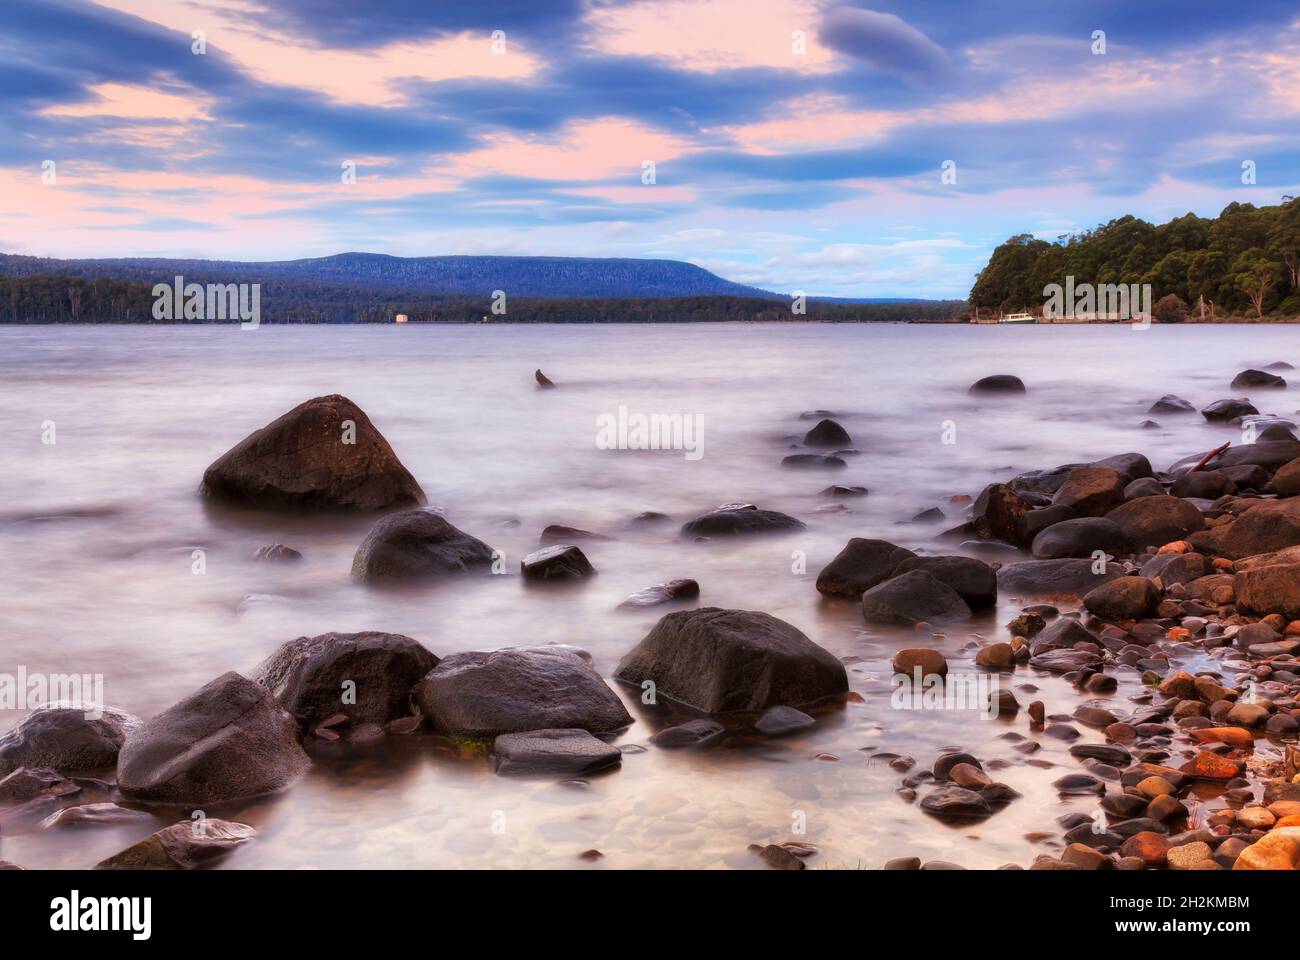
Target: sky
x,y
840,149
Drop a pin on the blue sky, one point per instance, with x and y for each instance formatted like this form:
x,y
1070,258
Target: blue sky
x,y
797,144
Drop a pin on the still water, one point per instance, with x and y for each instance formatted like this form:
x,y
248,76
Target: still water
x,y
98,530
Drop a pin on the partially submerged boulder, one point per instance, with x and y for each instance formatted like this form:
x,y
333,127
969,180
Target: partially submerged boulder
x,y
911,598
558,563
324,454
721,661
668,592
860,566
973,580
725,522
998,513
229,740
998,383
62,737
188,845
557,753
367,676
1257,379
827,433
418,545
1054,578
483,694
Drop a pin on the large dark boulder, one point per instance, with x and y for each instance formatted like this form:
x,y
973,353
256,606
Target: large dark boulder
x,y
480,695
828,433
1286,482
1203,485
998,383
1248,379
61,737
860,566
998,513
301,461
1126,598
1053,578
1155,521
1091,491
740,521
418,545
230,740
974,580
1080,538
911,598
1265,527
1129,466
1221,411
308,676
723,661
556,753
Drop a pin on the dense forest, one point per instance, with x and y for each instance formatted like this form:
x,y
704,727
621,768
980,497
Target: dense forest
x,y
65,299
1244,262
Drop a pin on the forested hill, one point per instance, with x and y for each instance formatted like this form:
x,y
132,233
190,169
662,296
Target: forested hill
x,y
1245,261
541,277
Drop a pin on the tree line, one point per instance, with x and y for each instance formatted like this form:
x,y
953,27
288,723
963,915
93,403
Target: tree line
x,y
71,299
1244,262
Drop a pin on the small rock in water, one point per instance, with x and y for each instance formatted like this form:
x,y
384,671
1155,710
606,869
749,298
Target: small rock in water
x,y
91,814
277,552
998,383
562,753
560,562
559,533
813,461
543,380
777,857
684,589
780,720
693,733
827,433
838,490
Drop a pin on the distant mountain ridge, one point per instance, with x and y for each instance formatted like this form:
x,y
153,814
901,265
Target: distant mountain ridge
x,y
539,277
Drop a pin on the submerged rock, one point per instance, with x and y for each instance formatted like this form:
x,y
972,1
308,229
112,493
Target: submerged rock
x,y
311,676
860,566
62,738
693,733
559,533
560,753
324,454
719,661
663,593
418,545
1170,403
728,521
480,695
806,461
229,740
543,380
277,553
187,845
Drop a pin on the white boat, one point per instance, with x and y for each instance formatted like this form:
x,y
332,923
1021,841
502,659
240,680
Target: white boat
x,y
1017,318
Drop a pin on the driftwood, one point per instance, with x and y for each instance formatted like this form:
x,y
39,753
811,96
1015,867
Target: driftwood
x,y
1210,456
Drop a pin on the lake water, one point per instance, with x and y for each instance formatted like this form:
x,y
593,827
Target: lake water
x,y
97,532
